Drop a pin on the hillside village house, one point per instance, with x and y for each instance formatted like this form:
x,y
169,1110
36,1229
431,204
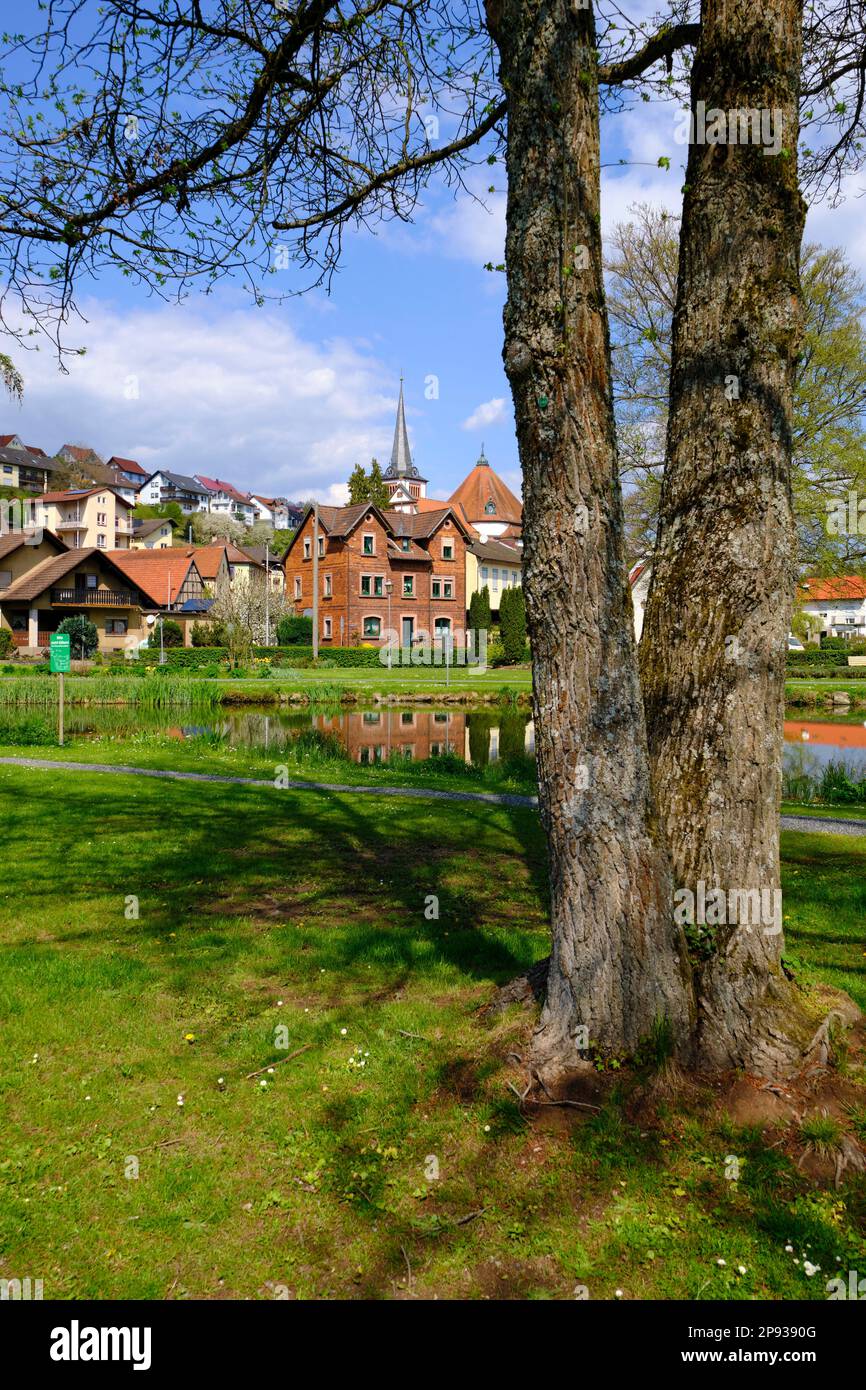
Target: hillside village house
x,y
96,516
835,607
276,511
379,570
154,534
129,470
163,486
224,499
24,466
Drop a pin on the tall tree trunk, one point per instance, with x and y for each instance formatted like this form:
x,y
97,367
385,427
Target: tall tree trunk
x,y
617,961
714,639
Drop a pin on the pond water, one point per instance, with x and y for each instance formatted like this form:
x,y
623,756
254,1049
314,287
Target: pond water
x,y
480,735
810,744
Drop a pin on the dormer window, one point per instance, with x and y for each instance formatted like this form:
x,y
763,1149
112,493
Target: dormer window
x,y
405,543
490,508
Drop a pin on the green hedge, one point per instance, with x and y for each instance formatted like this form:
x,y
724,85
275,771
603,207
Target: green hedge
x,y
822,657
818,673
194,658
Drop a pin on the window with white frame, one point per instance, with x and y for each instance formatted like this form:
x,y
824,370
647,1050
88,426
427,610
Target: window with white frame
x,y
447,550
368,543
308,548
297,586
326,630
326,589
372,585
408,585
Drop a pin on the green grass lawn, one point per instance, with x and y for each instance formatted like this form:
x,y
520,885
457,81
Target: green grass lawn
x,y
258,910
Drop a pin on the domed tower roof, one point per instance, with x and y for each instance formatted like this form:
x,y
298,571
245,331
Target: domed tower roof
x,y
485,497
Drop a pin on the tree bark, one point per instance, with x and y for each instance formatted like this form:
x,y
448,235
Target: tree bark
x,y
618,962
712,653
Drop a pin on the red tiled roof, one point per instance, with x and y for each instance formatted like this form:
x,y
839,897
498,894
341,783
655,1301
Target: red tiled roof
x,y
127,465
6,440
847,586
481,486
220,485
159,574
76,494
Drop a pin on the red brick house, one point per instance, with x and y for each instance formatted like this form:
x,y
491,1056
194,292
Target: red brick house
x,y
381,569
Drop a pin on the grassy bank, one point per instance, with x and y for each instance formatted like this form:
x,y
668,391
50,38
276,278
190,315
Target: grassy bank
x,y
317,914
151,690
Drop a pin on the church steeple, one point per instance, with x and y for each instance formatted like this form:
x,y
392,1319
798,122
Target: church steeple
x,y
401,465
402,478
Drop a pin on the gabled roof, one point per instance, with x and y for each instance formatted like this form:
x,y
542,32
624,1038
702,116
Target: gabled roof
x,y
208,559
483,486
47,572
341,521
13,541
846,586
181,481
151,524
27,458
6,441
76,494
127,465
159,574
258,552
220,485
495,549
421,525
81,453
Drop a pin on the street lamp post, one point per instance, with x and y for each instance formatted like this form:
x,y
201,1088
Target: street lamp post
x,y
267,595
315,581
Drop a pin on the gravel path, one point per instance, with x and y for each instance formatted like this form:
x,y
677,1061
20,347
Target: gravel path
x,y
831,825
827,824
426,793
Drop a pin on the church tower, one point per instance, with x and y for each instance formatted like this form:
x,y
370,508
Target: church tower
x,y
402,479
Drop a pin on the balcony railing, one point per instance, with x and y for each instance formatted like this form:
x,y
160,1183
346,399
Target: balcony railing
x,y
93,598
69,523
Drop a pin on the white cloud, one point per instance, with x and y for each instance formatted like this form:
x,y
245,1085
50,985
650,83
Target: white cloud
x,y
213,389
488,413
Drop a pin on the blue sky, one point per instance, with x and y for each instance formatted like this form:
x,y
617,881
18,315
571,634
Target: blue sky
x,y
286,399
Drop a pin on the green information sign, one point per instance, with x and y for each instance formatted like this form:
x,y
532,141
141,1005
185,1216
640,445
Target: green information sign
x,y
59,651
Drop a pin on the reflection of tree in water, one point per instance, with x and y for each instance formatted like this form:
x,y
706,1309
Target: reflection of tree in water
x,y
512,734
480,723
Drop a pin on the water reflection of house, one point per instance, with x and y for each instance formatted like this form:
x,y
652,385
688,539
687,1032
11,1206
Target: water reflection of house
x,y
373,735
